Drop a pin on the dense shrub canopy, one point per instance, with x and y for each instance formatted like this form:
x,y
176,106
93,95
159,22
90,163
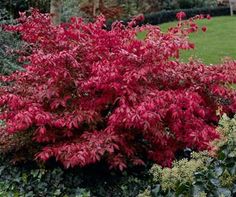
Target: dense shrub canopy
x,y
89,94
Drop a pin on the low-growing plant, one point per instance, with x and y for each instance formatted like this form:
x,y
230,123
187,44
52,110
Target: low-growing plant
x,y
202,175
38,182
90,95
31,180
181,173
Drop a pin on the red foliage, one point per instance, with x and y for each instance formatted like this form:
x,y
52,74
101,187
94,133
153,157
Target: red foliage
x,y
90,94
180,15
208,17
204,28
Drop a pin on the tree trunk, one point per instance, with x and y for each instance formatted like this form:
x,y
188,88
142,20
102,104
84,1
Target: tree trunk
x,y
95,7
55,10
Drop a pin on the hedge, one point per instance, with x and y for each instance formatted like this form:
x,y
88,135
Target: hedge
x,y
165,16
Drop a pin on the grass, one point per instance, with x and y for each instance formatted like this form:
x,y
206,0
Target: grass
x,y
218,42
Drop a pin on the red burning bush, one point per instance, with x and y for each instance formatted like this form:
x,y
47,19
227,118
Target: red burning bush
x,y
89,94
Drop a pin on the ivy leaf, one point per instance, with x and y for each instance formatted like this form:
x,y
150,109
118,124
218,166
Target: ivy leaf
x,y
215,182
234,189
156,190
197,189
2,168
224,191
219,170
233,169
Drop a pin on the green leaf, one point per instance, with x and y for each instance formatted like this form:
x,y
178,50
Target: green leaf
x,y
215,182
232,155
57,192
234,189
219,170
183,188
197,189
170,194
233,169
224,191
30,194
156,190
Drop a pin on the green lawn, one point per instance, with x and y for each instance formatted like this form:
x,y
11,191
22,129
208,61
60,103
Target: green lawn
x,y
217,42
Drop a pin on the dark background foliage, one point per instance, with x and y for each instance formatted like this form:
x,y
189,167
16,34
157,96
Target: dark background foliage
x,y
16,6
8,42
167,16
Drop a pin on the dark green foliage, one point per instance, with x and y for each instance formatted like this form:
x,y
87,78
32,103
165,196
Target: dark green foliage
x,y
8,42
8,60
29,180
167,16
15,6
4,16
185,4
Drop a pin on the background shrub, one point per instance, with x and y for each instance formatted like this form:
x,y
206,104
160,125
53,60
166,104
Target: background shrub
x,y
15,6
126,8
8,41
170,15
8,60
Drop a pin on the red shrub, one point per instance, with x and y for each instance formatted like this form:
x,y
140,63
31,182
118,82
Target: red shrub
x,y
90,94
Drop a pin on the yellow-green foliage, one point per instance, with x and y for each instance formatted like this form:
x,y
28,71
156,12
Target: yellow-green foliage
x,y
182,172
146,193
227,180
202,194
227,127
